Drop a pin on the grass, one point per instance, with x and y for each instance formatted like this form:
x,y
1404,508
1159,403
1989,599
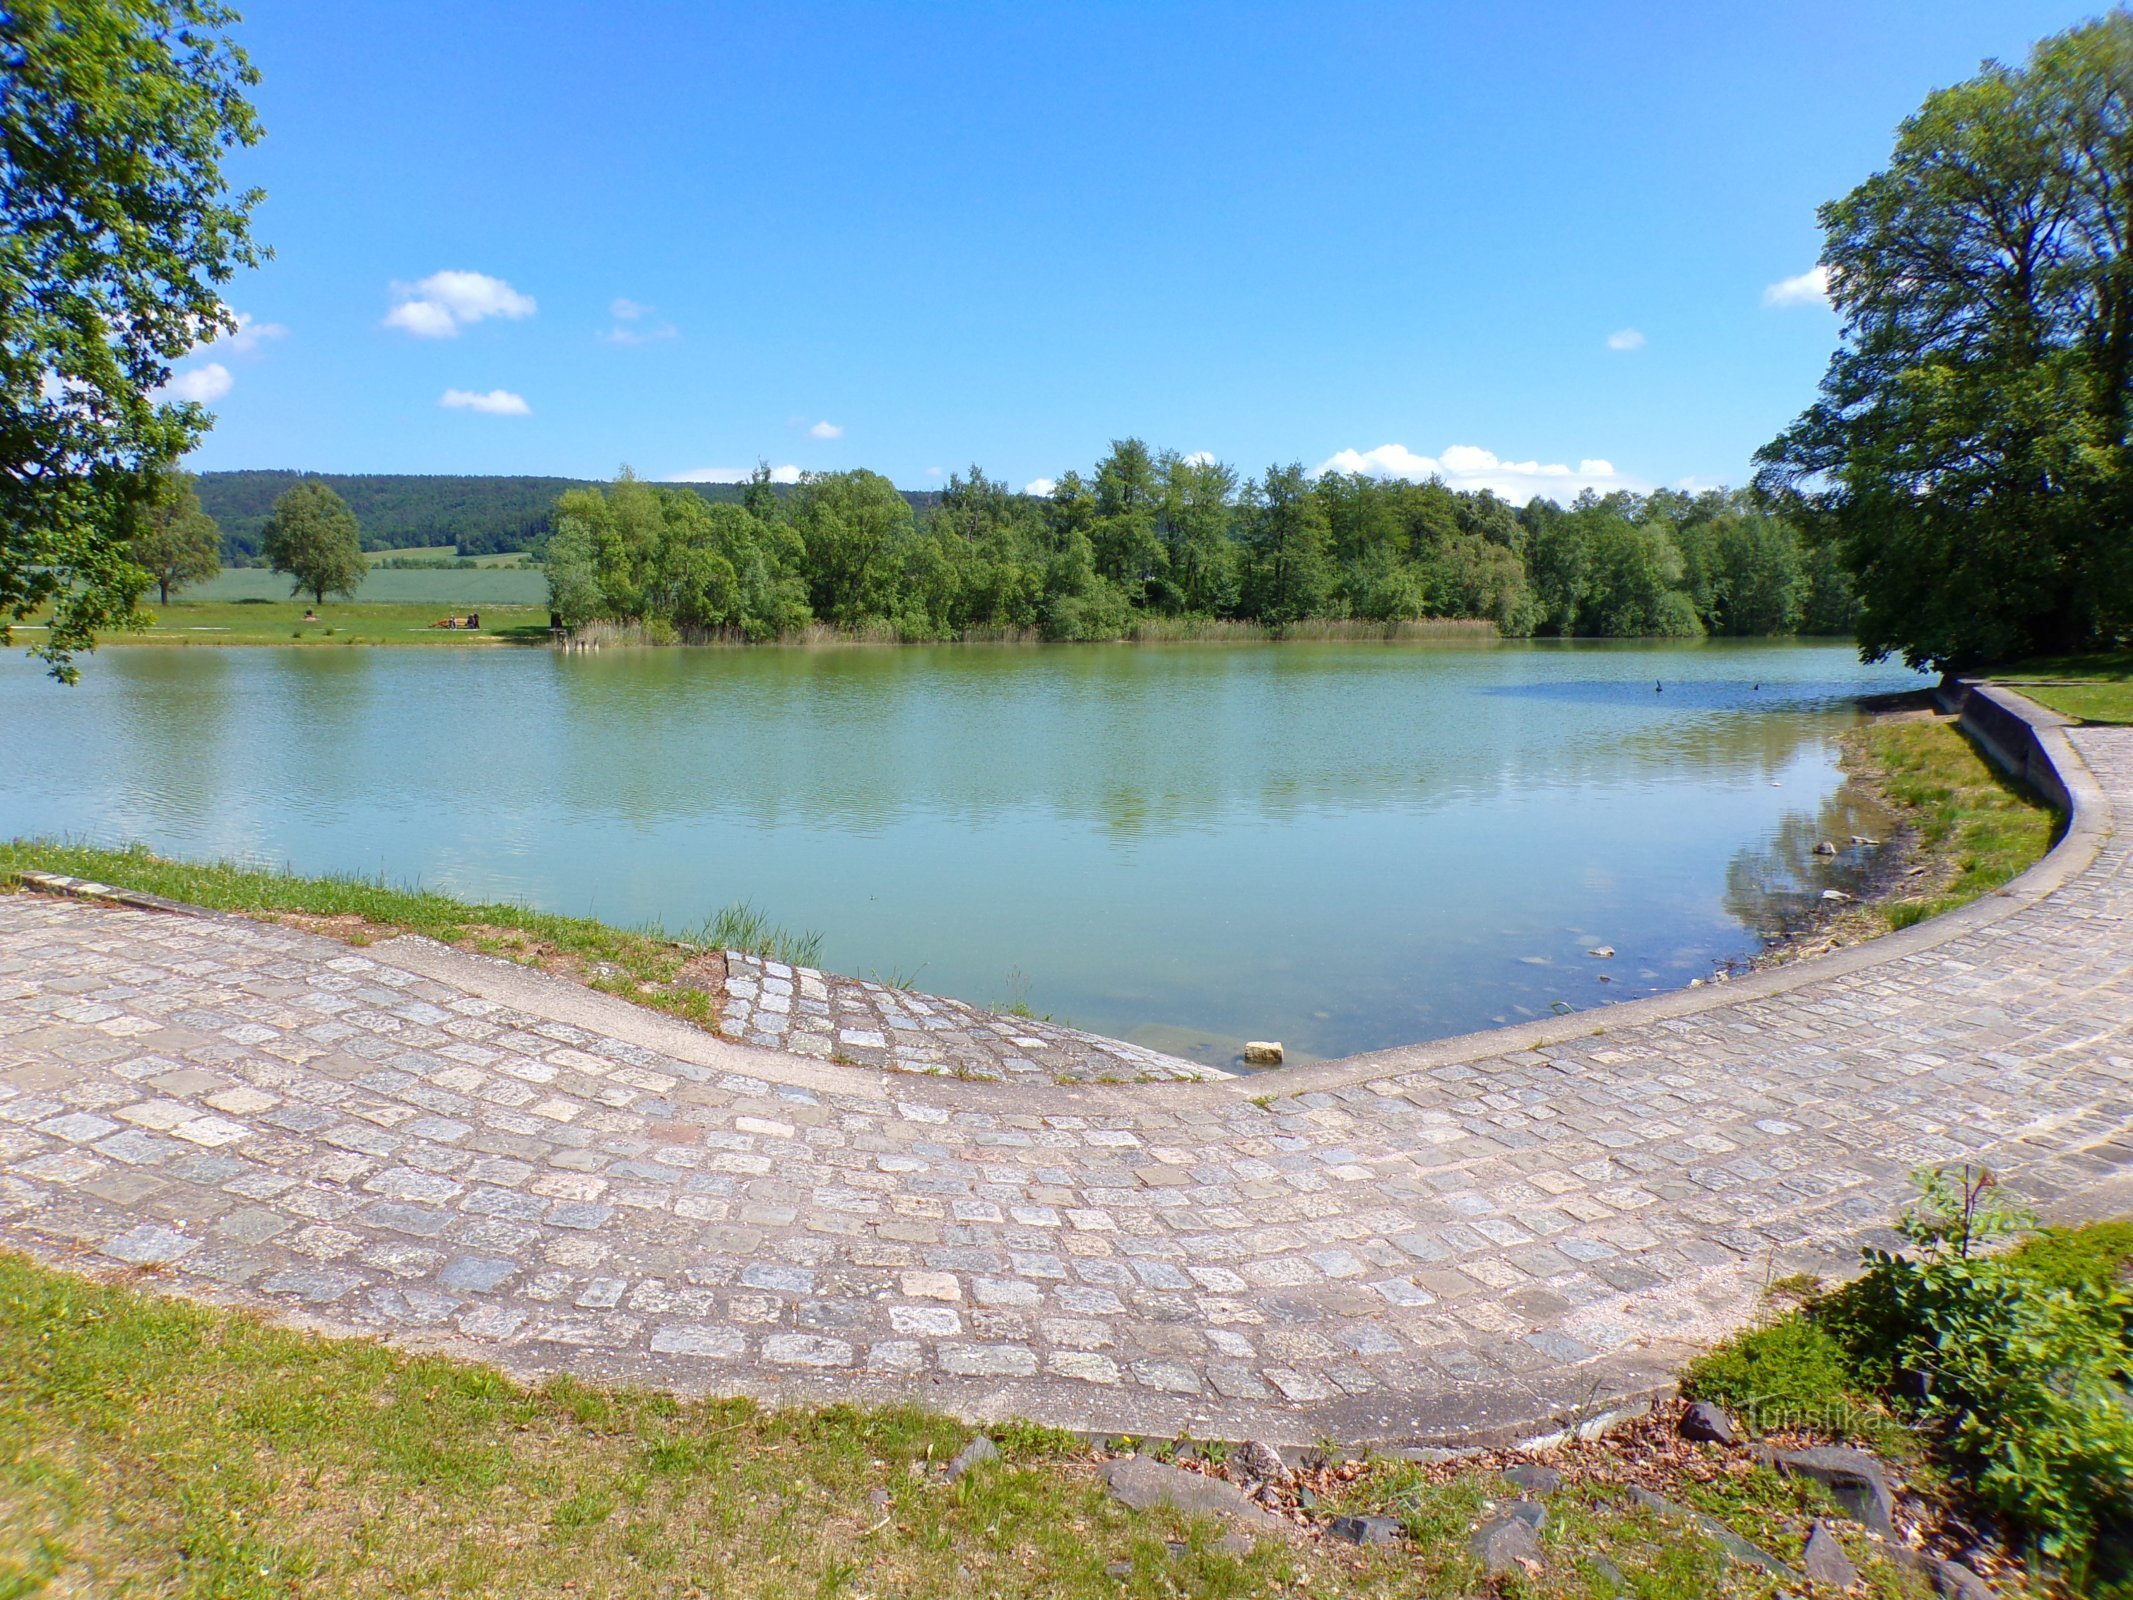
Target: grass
x,y
649,966
443,586
2092,688
1976,827
748,928
281,622
151,1446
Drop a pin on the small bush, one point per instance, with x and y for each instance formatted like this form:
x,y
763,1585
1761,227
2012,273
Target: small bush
x,y
2021,1378
1789,1374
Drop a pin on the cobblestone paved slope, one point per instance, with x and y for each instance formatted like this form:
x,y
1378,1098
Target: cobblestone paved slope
x,y
1461,1239
832,1018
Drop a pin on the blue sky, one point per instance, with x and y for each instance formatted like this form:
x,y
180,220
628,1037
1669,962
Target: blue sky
x,y
546,237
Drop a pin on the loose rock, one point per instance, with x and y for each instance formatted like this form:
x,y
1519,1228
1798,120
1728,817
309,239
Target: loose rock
x,y
1539,1482
1854,1477
1255,1461
1602,952
1504,1543
1950,1579
1531,1512
1365,1530
1141,1483
1263,1052
1836,897
978,1450
1824,1559
1707,1422
1825,848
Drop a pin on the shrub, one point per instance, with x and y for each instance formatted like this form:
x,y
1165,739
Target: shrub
x,y
2016,1363
1789,1374
2015,1368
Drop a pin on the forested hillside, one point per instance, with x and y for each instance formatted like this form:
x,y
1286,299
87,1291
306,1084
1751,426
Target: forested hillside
x,y
1148,544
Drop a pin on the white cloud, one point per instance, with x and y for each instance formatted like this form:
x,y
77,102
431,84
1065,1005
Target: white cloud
x,y
1041,487
785,474
825,430
438,306
203,385
933,472
1468,466
425,319
496,403
623,309
1625,339
1200,458
1809,288
248,335
646,335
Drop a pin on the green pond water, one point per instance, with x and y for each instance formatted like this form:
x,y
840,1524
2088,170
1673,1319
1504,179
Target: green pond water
x,y
1341,846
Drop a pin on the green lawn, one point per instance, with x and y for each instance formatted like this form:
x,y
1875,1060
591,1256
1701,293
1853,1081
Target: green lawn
x,y
281,621
488,586
1977,828
2094,688
155,1447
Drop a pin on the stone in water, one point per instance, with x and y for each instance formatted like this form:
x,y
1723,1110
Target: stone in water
x,y
1263,1052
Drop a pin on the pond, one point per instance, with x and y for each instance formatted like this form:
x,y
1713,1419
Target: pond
x,y
1341,846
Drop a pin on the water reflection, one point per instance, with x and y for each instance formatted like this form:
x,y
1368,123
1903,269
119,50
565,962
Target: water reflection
x,y
1344,846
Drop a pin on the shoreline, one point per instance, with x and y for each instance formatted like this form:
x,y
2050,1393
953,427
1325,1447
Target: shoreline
x,y
889,1027
266,624
1904,868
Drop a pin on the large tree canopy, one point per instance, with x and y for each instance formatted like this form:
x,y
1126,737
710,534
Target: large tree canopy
x,y
1968,456
174,541
313,537
114,118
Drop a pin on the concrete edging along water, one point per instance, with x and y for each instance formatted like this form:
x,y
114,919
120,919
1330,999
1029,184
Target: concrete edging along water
x,y
1470,1241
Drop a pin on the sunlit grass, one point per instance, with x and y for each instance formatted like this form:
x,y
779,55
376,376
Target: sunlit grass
x,y
2094,688
152,1446
1977,827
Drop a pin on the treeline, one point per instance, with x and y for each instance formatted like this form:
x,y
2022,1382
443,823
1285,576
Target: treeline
x,y
481,516
396,511
1146,535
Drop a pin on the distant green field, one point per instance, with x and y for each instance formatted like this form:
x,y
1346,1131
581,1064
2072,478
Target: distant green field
x,y
447,552
491,586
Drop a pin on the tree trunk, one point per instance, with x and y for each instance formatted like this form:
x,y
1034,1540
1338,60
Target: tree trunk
x,y
164,584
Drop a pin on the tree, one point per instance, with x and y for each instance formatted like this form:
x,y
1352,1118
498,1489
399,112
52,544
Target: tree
x,y
174,541
854,525
1969,452
312,536
120,227
1285,529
